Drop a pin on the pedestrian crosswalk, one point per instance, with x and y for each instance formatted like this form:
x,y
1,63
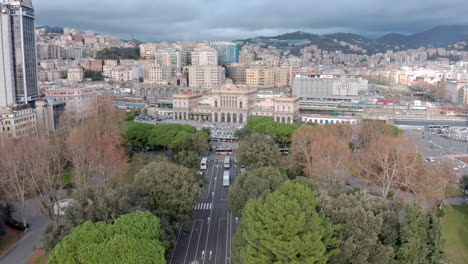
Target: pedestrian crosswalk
x,y
203,206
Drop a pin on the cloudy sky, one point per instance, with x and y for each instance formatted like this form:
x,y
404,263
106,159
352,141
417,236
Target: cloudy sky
x,y
170,20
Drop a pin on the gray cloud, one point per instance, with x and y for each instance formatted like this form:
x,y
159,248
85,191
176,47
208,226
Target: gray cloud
x,y
169,20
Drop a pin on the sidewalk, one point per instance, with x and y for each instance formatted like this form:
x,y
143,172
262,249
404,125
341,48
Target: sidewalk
x,y
25,247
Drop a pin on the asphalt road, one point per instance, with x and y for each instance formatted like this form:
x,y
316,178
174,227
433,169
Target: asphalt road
x,y
434,146
207,238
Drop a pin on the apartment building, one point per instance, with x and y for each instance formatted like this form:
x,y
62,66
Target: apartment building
x,y
203,56
206,76
17,121
261,77
75,74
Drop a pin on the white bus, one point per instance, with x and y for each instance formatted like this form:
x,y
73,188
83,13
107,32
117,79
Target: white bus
x,y
227,163
203,163
226,179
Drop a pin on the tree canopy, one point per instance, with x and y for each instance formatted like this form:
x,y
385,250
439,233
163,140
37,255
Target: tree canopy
x,y
168,189
420,238
115,53
367,227
140,136
257,150
280,132
133,238
284,227
253,184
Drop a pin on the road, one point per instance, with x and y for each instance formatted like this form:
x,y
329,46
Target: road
x,y
207,238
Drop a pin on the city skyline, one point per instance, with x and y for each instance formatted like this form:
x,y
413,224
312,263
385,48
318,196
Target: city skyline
x,y
224,20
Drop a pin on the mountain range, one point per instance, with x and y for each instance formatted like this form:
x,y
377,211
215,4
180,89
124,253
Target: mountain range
x,y
440,36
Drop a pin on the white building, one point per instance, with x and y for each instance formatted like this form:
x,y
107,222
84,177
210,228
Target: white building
x,y
206,76
203,56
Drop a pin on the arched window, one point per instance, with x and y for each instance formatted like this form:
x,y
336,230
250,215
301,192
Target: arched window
x,y
216,103
240,104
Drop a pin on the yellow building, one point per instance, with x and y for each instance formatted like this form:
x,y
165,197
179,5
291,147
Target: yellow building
x,y
261,77
17,121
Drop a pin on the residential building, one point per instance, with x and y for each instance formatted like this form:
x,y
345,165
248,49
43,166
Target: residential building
x,y
203,56
463,95
17,121
75,53
206,76
92,65
79,98
261,77
169,58
111,63
159,74
453,87
18,67
148,50
49,51
236,72
52,75
246,57
75,74
48,114
228,52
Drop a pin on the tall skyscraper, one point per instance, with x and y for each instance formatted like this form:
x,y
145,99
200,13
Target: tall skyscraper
x,y
18,69
228,52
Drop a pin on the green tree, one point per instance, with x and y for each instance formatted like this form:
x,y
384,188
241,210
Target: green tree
x,y
187,158
257,150
115,53
253,184
196,143
168,190
133,238
93,75
367,227
137,135
280,132
94,204
420,238
284,227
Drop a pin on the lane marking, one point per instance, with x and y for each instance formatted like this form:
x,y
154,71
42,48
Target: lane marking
x,y
211,214
199,237
177,240
190,241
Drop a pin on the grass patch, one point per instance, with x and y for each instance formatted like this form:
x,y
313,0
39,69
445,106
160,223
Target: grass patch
x,y
455,233
451,191
41,260
38,257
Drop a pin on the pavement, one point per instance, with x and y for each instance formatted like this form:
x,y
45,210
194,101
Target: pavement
x,y
24,248
207,238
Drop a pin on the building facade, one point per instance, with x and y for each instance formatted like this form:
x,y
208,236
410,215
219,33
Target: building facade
x,y
17,121
75,74
92,65
48,114
18,67
78,98
230,103
261,77
203,56
206,76
169,58
228,52
332,87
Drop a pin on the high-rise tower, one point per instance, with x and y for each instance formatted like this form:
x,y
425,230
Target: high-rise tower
x,y
18,66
